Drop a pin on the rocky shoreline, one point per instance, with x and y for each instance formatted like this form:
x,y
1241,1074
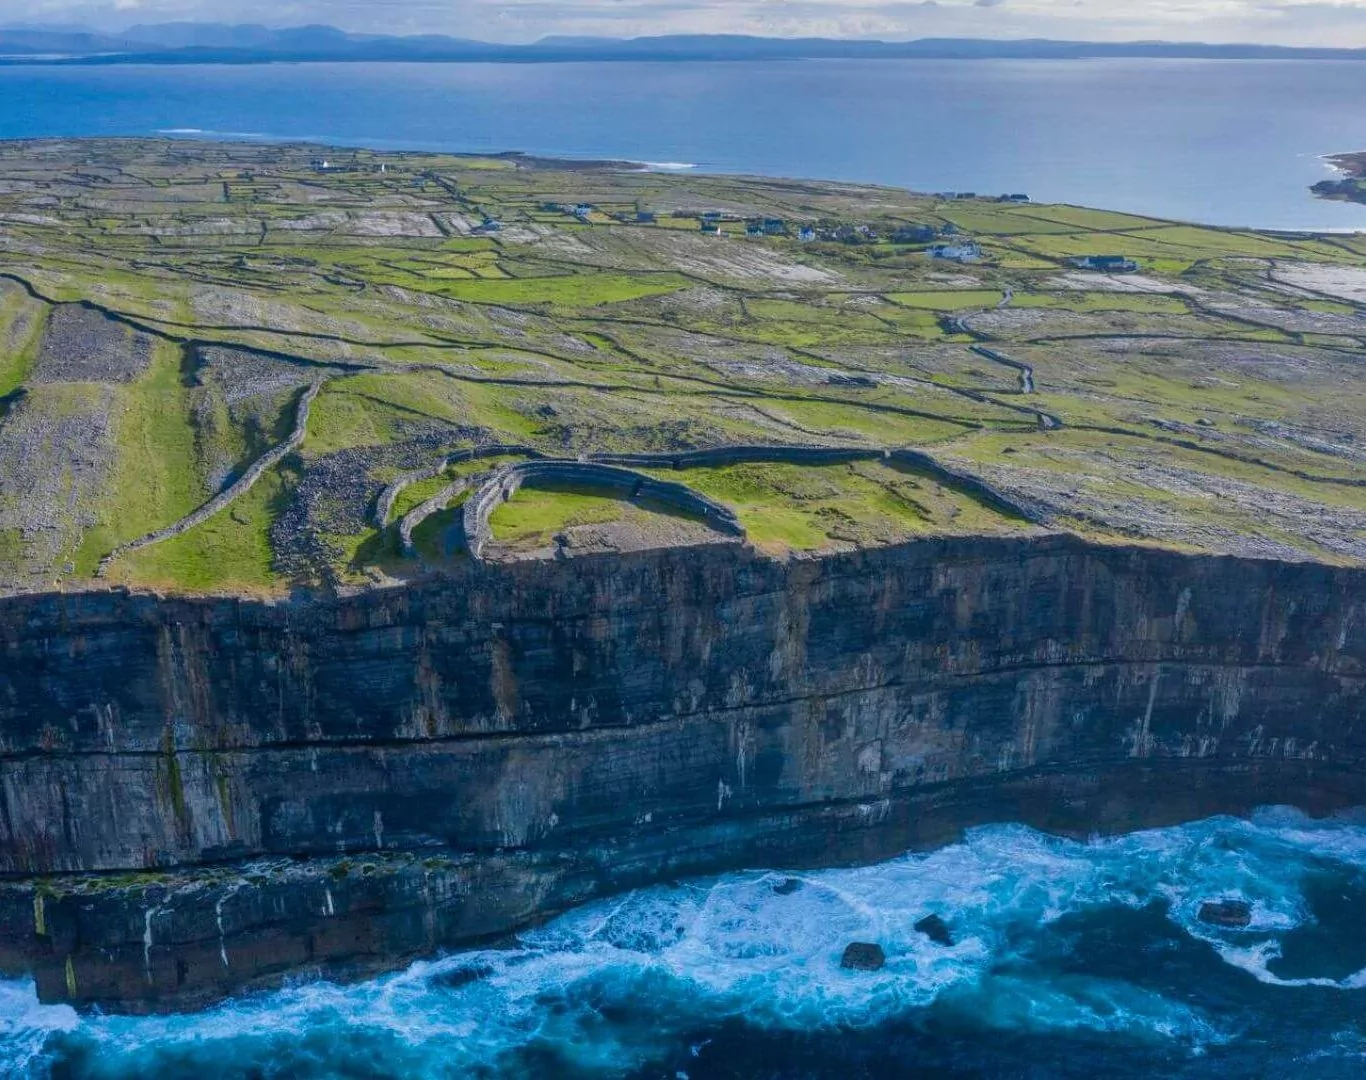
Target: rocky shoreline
x,y
201,796
1348,186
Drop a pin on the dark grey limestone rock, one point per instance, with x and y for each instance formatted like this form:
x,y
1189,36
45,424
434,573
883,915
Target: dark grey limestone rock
x,y
506,741
936,929
1226,914
863,956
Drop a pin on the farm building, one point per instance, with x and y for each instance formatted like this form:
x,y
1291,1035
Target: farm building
x,y
1105,264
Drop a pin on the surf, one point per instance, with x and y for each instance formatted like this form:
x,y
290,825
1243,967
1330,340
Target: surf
x,y
649,976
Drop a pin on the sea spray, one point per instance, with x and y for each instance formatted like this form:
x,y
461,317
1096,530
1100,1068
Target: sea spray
x,y
1051,939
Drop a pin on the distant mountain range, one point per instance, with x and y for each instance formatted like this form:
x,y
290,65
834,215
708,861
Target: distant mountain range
x,y
212,43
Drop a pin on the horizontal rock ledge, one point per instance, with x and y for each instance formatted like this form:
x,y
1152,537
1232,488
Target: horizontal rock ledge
x,y
508,740
184,940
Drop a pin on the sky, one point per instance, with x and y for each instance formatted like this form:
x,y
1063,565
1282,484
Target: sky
x,y
1288,22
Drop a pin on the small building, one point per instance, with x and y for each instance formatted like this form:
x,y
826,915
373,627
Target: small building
x,y
754,228
711,228
1105,264
965,251
489,225
775,227
712,216
806,234
645,217
1015,198
583,211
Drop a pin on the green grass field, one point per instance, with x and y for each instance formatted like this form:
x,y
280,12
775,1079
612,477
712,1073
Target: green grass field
x,y
1205,404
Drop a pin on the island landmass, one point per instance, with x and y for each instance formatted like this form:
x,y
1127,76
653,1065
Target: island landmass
x,y
397,549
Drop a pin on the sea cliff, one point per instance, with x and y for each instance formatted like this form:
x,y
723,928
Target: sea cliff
x,y
203,795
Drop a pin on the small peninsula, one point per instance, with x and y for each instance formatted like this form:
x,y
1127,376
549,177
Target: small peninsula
x,y
1350,185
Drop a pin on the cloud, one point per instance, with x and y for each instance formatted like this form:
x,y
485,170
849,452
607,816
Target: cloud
x,y
1301,22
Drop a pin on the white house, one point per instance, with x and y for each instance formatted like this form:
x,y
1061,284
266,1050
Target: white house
x,y
965,251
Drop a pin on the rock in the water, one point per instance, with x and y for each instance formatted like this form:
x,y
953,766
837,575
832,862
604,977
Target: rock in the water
x,y
461,976
1230,914
936,929
863,956
787,886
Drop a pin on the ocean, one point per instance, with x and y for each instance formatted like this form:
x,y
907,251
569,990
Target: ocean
x,y
1233,143
1068,959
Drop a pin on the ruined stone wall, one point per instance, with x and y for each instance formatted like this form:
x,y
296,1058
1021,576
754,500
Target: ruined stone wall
x,y
586,474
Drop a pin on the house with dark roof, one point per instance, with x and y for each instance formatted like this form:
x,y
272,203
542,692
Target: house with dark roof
x,y
1105,264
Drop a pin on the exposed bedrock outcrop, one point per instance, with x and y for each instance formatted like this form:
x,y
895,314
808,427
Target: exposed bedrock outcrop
x,y
201,795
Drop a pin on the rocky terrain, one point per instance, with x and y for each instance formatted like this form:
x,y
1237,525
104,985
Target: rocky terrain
x,y
164,305
203,795
1348,186
396,549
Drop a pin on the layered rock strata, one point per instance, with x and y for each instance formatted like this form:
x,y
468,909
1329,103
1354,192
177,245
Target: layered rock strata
x,y
201,795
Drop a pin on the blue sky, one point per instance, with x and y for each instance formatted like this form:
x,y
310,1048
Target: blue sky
x,y
1298,22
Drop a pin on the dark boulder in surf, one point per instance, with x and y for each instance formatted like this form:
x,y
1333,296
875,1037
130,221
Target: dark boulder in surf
x,y
863,956
936,929
1228,914
461,977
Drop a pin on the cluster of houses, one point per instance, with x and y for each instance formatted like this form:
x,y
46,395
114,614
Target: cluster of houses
x,y
326,165
582,211
943,241
867,234
711,221
1015,197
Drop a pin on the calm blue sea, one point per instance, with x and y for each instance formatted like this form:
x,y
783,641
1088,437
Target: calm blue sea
x,y
1070,960
1226,142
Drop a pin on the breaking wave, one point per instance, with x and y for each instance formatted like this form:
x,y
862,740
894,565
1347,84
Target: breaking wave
x,y
1082,944
201,133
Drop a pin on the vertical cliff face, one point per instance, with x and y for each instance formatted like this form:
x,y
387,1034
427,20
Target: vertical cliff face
x,y
497,745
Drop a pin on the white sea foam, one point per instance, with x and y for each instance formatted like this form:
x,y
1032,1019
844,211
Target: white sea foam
x,y
667,166
208,134
26,1027
755,947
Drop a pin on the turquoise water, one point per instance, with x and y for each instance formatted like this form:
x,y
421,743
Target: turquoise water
x,y
1226,142
1069,959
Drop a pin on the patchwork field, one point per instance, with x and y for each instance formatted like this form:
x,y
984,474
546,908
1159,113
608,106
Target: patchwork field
x,y
226,368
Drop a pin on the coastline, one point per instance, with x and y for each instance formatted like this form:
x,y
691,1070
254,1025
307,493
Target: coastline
x,y
339,787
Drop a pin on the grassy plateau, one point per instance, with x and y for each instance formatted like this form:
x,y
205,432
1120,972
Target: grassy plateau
x,y
166,307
